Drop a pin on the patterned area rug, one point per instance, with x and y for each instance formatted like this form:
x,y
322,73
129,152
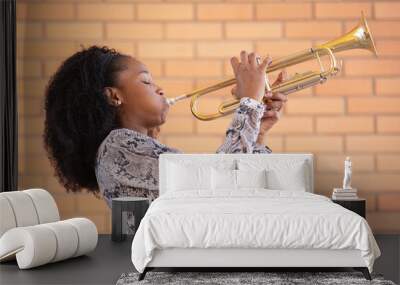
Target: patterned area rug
x,y
243,278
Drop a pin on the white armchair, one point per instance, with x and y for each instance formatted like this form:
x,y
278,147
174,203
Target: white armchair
x,y
31,230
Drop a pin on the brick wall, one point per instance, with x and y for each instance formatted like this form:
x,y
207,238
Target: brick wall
x,y
187,44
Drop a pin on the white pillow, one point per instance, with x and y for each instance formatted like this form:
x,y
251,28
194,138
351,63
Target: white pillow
x,y
183,177
251,178
228,179
288,174
223,179
292,179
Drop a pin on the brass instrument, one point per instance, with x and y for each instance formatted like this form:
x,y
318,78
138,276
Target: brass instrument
x,y
358,38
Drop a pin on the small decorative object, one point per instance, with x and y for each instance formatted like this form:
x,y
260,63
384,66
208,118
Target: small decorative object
x,y
347,192
347,174
127,212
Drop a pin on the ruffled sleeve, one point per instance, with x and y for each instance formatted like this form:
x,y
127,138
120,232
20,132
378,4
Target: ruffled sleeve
x,y
242,133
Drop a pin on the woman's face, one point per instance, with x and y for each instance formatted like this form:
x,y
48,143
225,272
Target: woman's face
x,y
142,101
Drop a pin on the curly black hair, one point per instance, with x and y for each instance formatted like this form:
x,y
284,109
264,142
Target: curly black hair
x,y
78,115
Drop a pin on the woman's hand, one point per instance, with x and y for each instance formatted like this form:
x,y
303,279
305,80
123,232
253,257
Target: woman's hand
x,y
250,76
154,132
273,110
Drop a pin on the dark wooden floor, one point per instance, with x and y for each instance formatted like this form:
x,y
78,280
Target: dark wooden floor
x,y
110,260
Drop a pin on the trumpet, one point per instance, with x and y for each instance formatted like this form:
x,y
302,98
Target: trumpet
x,y
359,37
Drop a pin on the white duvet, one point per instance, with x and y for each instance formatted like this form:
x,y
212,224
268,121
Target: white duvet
x,y
253,218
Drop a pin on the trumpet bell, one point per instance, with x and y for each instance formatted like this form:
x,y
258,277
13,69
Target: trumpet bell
x,y
360,37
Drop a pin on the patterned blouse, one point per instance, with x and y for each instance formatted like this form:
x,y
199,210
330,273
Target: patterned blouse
x,y
127,161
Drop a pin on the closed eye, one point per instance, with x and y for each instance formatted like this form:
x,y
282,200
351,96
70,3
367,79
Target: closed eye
x,y
146,82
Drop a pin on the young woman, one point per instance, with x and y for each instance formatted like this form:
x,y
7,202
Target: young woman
x,y
103,112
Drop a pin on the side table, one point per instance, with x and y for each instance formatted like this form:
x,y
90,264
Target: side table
x,y
122,206
357,205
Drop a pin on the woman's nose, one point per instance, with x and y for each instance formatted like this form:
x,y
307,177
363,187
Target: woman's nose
x,y
160,91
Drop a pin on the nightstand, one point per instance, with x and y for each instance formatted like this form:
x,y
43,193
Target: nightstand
x,y
357,206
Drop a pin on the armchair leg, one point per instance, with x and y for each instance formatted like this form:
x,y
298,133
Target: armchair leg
x,y
143,274
364,271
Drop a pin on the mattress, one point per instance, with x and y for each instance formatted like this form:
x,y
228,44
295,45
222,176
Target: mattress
x,y
250,218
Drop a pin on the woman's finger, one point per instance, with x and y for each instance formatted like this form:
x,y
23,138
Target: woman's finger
x,y
275,105
278,96
271,114
244,59
267,61
253,59
233,91
234,64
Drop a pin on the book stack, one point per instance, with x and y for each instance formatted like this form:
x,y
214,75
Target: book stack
x,y
344,194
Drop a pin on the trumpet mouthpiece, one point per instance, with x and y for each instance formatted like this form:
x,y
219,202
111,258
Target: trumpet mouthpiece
x,y
170,101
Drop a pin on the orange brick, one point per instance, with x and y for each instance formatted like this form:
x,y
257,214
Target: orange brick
x,y
259,30
275,143
35,146
224,12
376,181
373,105
388,86
315,106
34,87
223,49
174,87
125,47
47,49
29,30
51,66
282,47
314,143
283,11
388,47
387,10
350,125
373,143
191,31
34,107
30,181
193,68
292,125
154,66
223,93
165,11
217,127
325,182
178,125
313,29
29,68
380,29
195,144
342,10
384,222
165,50
335,163
36,126
370,200
345,87
97,11
361,67
50,11
388,162
134,31
38,166
66,203
74,31
88,203
388,124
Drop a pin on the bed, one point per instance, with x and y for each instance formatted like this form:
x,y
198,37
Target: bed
x,y
247,210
